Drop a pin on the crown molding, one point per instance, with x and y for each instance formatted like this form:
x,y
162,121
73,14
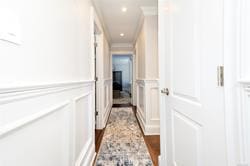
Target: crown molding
x,y
123,45
99,14
149,11
138,28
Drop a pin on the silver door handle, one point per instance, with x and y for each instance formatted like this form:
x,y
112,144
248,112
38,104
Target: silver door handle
x,y
165,91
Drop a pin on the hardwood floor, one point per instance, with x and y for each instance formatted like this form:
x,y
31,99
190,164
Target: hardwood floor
x,y
152,141
153,144
122,105
98,139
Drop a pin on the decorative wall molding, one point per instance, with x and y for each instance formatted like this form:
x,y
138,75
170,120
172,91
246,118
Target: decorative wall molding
x,y
122,46
244,122
139,27
148,105
4,90
11,127
13,94
100,16
242,85
244,82
149,11
105,101
87,155
119,52
46,113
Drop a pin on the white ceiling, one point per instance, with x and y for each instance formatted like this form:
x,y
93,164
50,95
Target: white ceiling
x,y
116,22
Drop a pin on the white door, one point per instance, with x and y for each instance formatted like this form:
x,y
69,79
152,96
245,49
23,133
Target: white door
x,y
192,114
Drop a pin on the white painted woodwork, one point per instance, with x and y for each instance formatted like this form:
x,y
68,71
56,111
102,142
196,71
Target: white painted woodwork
x,y
147,47
192,116
148,106
46,107
122,47
47,125
237,80
237,93
148,73
103,72
134,84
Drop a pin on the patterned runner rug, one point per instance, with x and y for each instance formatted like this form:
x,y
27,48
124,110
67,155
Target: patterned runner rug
x,y
123,143
124,99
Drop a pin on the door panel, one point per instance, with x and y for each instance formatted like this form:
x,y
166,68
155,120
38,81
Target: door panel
x,y
192,115
187,138
185,53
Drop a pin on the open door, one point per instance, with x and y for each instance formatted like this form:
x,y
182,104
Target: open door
x,y
192,100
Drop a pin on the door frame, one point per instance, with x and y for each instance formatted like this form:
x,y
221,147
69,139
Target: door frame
x,y
230,79
235,16
134,71
98,35
162,9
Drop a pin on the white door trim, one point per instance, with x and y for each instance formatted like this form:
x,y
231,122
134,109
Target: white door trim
x,y
230,77
162,59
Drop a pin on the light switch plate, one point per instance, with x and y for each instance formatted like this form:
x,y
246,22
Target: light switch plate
x,y
10,28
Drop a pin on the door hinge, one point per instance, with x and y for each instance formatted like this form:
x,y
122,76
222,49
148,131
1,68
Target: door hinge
x,y
96,78
96,113
96,45
220,76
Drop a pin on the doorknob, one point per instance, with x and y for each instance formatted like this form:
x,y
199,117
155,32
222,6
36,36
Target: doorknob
x,y
165,91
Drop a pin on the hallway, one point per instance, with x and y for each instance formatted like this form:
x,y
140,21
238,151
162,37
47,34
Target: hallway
x,y
188,88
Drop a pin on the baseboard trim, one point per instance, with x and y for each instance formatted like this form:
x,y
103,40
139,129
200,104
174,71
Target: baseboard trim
x,y
107,110
148,129
86,156
152,130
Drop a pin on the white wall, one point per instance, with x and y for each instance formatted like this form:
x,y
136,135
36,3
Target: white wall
x,y
107,59
46,104
55,43
151,46
140,53
147,76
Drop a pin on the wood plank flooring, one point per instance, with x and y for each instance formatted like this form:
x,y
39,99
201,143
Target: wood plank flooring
x,y
98,139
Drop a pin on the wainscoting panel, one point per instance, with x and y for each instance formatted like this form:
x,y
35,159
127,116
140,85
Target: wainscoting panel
x,y
104,104
148,106
108,100
47,125
243,82
244,123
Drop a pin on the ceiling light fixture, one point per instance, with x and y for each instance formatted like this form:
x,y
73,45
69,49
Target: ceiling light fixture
x,y
122,34
124,9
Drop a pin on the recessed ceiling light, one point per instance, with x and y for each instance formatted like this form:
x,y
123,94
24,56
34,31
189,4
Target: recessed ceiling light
x,y
124,9
122,34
